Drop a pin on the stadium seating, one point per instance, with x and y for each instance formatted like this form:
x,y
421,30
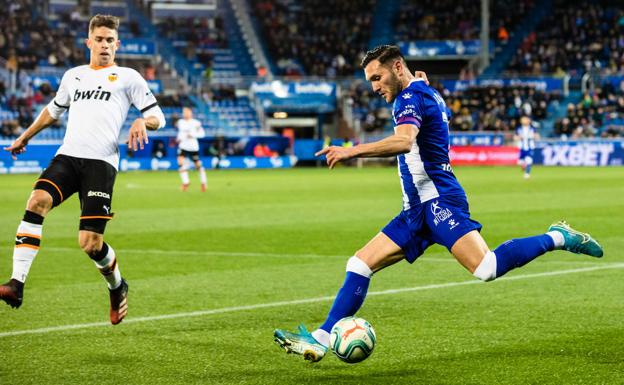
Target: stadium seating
x,y
574,39
456,20
320,38
599,113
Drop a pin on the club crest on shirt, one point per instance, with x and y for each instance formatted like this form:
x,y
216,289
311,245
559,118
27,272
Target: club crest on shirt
x,y
113,77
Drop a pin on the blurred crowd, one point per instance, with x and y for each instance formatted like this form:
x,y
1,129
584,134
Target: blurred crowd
x,y
17,110
26,39
316,37
496,108
575,39
457,19
599,113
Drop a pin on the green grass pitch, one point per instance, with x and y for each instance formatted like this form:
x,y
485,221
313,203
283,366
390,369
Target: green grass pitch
x,y
212,274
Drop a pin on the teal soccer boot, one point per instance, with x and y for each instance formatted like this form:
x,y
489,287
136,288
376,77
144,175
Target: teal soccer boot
x,y
577,242
301,343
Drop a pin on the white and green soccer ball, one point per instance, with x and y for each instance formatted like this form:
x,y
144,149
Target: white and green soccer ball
x,y
352,339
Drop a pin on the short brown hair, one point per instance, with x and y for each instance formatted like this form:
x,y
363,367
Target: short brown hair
x,y
108,21
383,53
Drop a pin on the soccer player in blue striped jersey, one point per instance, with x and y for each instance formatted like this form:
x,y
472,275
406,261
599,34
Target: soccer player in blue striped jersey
x,y
526,136
435,207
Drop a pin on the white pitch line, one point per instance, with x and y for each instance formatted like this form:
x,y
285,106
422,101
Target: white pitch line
x,y
287,255
301,301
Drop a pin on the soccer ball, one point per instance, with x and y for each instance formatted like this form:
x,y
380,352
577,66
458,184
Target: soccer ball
x,y
352,339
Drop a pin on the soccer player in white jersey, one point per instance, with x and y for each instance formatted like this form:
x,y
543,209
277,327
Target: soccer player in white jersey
x,y
98,97
525,137
435,207
189,130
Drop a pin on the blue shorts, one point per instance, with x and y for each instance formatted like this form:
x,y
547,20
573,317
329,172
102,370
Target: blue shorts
x,y
442,220
525,154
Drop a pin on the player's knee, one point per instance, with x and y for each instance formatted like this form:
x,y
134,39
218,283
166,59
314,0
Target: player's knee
x,y
40,202
486,271
358,266
90,244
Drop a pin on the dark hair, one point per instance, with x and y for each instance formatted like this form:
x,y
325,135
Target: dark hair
x,y
108,21
383,53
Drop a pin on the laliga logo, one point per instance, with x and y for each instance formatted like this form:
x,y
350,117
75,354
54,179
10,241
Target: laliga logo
x,y
440,214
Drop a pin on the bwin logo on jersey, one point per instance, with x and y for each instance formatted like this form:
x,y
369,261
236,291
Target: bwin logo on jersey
x,y
440,214
98,194
92,94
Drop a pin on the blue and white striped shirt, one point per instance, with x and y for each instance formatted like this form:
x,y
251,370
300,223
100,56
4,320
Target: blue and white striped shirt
x,y
425,171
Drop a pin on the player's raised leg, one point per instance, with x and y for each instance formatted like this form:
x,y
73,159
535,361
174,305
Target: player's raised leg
x,y
27,242
105,260
380,252
473,253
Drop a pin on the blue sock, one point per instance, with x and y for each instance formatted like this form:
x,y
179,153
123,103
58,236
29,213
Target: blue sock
x,y
519,252
349,299
527,170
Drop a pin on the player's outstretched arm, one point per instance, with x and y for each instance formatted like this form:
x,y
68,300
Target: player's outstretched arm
x,y
399,143
44,120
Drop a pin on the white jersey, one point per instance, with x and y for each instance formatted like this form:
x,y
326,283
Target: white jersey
x,y
188,133
98,101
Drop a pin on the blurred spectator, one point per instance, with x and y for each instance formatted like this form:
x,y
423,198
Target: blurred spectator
x,y
262,150
149,72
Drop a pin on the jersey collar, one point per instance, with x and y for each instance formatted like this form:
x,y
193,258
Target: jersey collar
x,y
96,68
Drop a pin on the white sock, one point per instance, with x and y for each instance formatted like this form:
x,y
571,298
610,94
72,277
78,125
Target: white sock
x,y
486,271
356,265
558,238
109,269
202,175
26,248
185,177
321,336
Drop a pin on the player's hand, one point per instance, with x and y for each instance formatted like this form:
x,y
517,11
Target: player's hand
x,y
421,75
17,147
137,137
335,154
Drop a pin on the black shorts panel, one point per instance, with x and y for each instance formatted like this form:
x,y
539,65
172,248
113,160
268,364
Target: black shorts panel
x,y
92,179
60,179
192,155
